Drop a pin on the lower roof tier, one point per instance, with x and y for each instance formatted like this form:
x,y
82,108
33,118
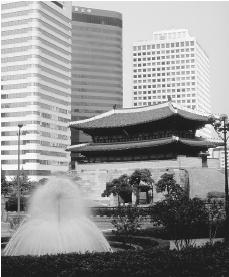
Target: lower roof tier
x,y
150,144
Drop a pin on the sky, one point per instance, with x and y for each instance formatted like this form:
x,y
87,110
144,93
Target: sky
x,y
207,21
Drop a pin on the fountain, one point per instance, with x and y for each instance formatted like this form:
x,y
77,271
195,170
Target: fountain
x,y
57,223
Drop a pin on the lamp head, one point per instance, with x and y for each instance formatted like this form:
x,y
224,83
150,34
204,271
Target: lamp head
x,y
20,126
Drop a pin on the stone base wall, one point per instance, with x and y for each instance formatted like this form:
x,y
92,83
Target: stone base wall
x,y
93,177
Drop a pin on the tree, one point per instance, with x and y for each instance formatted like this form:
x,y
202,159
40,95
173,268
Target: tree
x,y
126,220
25,184
141,178
5,186
182,218
215,209
168,184
119,186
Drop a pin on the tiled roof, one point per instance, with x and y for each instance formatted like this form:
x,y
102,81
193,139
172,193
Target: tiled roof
x,y
135,116
92,147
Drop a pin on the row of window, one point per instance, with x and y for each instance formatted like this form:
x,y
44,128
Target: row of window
x,y
99,37
108,63
46,162
84,104
168,68
163,45
163,52
25,85
42,105
164,91
100,84
156,90
92,90
87,111
30,75
92,43
27,94
44,115
41,152
32,122
164,57
38,142
28,172
86,97
187,66
14,5
159,102
163,74
159,85
96,19
91,49
95,30
41,133
162,85
163,97
87,76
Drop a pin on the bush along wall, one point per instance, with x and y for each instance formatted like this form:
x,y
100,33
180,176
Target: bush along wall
x,y
191,262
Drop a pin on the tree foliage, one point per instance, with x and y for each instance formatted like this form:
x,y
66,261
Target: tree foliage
x,y
181,218
25,184
141,179
6,187
126,220
125,185
119,186
180,215
168,184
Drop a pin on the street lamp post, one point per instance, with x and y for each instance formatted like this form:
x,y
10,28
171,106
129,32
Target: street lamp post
x,y
222,127
18,173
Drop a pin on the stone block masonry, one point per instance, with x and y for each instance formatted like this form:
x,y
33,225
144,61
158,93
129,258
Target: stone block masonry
x,y
93,177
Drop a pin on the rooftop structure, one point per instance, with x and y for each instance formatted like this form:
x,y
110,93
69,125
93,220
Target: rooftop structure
x,y
162,131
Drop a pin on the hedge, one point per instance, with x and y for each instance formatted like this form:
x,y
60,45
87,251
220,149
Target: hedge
x,y
201,232
192,262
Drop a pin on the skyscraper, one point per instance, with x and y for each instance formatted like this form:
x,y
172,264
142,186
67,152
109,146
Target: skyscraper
x,y
36,86
171,65
96,64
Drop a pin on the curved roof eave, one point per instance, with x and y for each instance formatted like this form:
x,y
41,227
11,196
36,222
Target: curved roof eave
x,y
136,116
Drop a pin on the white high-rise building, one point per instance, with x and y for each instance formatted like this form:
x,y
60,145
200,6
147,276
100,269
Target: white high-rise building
x,y
36,86
171,65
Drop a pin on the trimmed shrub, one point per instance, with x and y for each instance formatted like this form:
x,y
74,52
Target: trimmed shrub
x,y
190,262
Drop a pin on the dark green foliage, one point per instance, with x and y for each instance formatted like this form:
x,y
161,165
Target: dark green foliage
x,y
202,231
181,218
216,210
6,187
112,211
26,185
126,220
168,184
11,204
208,261
119,186
141,180
144,242
216,194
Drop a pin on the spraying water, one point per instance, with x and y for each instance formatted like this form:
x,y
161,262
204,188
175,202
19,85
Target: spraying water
x,y
57,223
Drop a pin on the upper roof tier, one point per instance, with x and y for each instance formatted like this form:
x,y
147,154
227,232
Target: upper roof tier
x,y
117,118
